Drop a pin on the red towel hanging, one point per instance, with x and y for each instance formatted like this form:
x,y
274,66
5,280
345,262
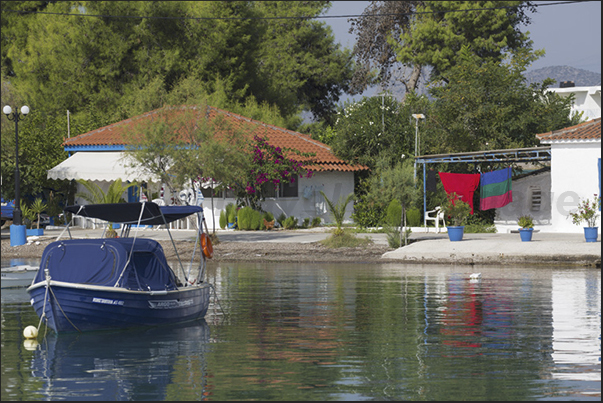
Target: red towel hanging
x,y
462,184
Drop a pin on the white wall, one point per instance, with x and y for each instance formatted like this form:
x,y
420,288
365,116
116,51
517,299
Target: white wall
x,y
574,176
308,204
587,100
523,188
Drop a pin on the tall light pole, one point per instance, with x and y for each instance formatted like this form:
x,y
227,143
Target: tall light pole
x,y
17,231
417,116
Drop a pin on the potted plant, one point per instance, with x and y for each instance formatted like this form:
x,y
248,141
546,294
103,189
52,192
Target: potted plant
x,y
526,227
588,212
31,214
457,211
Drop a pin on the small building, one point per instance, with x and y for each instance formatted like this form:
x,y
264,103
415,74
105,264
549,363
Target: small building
x,y
575,170
586,99
549,195
99,156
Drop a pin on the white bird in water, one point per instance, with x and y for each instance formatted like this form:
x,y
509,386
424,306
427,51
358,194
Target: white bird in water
x,y
475,277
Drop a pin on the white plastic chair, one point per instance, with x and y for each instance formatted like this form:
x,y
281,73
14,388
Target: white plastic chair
x,y
438,215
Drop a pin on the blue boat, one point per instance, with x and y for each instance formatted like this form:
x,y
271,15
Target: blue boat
x,y
115,283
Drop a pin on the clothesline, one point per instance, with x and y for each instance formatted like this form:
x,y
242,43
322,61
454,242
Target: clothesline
x,y
508,156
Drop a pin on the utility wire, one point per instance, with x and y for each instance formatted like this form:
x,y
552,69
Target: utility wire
x,y
288,18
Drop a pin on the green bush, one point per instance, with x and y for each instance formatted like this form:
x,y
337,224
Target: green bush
x,y
395,237
243,218
249,219
223,220
316,221
368,213
413,217
281,220
394,213
255,221
479,224
344,239
306,222
290,223
231,213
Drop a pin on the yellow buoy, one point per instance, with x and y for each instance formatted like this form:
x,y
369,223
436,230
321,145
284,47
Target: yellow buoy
x,y
30,345
30,332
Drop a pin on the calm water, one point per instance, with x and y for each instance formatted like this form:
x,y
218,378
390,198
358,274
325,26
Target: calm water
x,y
335,332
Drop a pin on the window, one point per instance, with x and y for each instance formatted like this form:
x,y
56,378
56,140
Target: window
x,y
288,189
268,190
284,189
535,198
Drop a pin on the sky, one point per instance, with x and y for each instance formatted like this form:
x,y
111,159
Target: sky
x,y
570,34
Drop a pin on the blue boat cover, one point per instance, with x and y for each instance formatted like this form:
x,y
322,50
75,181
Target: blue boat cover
x,y
129,213
101,262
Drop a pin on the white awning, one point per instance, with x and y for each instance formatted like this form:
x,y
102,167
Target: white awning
x,y
100,166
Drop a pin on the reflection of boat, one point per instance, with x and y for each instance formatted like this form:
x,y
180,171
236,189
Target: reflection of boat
x,y
18,276
110,283
135,364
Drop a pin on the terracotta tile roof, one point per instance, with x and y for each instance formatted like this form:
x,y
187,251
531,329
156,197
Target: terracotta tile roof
x,y
590,130
116,134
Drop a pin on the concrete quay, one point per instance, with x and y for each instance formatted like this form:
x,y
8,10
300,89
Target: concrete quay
x,y
550,249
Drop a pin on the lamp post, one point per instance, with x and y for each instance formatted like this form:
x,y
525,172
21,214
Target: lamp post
x,y
417,116
17,230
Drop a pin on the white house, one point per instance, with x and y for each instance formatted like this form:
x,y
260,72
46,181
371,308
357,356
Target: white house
x,y
550,195
99,156
575,170
587,99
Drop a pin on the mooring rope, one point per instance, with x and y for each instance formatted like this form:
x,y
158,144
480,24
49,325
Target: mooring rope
x,y
64,314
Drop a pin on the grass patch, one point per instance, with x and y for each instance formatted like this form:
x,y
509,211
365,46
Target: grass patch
x,y
345,240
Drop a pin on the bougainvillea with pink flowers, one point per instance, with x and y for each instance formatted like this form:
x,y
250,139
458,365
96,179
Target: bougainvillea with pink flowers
x,y
275,165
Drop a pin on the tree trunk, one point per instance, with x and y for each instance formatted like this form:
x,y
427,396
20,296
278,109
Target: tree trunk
x,y
413,81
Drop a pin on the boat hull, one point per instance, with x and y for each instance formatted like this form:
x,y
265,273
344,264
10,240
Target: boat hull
x,y
67,307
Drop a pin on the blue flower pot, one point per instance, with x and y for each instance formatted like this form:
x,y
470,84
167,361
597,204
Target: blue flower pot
x,y
526,234
455,234
35,232
591,234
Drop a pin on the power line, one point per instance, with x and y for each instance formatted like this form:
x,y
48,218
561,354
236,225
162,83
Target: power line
x,y
287,18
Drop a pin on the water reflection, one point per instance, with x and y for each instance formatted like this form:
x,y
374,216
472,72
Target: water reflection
x,y
576,307
124,365
339,332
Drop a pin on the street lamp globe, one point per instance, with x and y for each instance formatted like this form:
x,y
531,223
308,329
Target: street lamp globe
x,y
24,110
7,110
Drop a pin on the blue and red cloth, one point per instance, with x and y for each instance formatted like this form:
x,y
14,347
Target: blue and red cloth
x,y
495,189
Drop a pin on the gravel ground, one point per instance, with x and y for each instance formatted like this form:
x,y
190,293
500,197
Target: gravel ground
x,y
239,251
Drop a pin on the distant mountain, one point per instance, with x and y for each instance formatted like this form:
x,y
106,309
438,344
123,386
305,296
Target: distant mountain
x,y
581,78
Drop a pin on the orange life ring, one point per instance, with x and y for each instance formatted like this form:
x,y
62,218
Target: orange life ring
x,y
206,247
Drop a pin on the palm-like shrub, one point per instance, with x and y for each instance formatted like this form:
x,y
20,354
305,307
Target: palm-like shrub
x,y
37,208
338,210
96,195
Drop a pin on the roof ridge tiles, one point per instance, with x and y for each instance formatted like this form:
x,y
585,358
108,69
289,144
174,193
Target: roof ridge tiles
x,y
115,134
301,136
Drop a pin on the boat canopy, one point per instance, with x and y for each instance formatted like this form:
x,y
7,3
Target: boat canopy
x,y
130,213
102,261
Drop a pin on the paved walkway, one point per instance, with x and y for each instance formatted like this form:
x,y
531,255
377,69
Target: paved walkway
x,y
504,248
544,249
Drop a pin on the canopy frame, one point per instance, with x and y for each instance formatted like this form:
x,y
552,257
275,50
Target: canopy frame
x,y
531,154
